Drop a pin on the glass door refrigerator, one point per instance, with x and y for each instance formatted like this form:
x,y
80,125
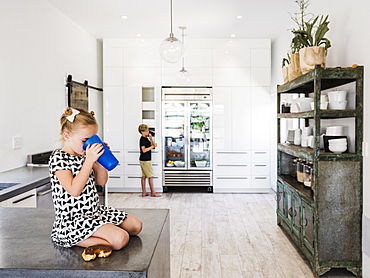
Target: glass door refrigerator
x,y
187,138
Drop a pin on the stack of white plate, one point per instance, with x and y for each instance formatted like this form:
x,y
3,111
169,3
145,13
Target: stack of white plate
x,y
338,145
335,130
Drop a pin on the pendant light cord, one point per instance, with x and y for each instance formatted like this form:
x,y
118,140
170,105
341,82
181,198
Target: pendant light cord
x,y
171,14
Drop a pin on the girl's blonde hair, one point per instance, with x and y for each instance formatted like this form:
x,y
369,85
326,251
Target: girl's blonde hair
x,y
142,128
83,118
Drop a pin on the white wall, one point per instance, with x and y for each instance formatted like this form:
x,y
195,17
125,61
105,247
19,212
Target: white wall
x,y
39,48
350,36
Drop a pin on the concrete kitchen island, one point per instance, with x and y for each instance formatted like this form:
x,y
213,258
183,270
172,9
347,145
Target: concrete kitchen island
x,y
26,249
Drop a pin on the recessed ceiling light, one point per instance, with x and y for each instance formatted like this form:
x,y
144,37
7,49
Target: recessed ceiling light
x,y
138,35
239,17
124,16
233,35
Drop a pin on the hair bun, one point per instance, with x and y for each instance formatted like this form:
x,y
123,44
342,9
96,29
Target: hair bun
x,y
92,113
68,111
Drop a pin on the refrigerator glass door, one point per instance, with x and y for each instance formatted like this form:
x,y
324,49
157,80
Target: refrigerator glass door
x,y
199,131
174,129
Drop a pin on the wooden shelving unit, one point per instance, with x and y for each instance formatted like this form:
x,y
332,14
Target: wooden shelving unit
x,y
325,221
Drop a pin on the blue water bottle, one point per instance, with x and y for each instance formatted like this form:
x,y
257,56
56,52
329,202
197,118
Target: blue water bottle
x,y
107,159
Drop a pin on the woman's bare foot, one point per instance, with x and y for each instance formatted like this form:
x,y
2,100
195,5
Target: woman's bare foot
x,y
144,194
155,195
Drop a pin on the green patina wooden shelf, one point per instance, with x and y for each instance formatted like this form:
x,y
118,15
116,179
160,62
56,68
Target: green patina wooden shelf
x,y
325,221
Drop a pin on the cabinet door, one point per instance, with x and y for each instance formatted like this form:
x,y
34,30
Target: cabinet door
x,y
24,200
296,215
113,116
280,200
260,118
132,116
308,228
241,118
222,122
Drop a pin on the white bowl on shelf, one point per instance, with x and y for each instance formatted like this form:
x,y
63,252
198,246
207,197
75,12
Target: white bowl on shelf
x,y
339,141
200,163
338,148
304,103
335,130
179,163
170,165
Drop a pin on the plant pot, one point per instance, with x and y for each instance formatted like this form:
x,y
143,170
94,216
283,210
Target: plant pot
x,y
310,57
294,69
285,74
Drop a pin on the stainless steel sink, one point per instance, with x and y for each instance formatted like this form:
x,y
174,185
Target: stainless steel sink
x,y
4,185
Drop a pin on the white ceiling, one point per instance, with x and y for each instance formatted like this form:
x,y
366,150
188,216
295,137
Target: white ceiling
x,y
203,18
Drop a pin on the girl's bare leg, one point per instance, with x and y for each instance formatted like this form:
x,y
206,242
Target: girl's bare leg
x,y
152,190
132,225
143,187
108,234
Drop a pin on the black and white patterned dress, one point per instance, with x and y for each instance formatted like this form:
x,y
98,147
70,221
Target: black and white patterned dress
x,y
77,218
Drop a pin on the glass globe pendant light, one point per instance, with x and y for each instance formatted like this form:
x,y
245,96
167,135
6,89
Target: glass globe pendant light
x,y
171,49
183,76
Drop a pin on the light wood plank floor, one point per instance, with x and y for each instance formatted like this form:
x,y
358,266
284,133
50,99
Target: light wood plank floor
x,y
225,236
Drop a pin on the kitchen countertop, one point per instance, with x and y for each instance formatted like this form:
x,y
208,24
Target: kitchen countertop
x,y
26,249
27,177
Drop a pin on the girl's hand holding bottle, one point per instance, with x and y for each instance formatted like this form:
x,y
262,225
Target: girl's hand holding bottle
x,y
93,152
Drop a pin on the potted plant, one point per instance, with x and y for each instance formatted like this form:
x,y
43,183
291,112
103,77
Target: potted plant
x,y
284,65
312,37
294,70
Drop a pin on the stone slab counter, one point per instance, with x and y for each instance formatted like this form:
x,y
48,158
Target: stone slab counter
x,y
26,249
26,178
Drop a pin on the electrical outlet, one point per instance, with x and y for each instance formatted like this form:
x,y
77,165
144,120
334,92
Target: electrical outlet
x,y
17,142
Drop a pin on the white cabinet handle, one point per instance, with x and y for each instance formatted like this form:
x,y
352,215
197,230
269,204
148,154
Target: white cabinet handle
x,y
260,152
235,165
231,152
260,178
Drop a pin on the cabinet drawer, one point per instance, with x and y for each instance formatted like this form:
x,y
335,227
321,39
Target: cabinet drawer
x,y
134,155
260,182
119,170
135,169
232,170
232,157
133,181
24,200
115,181
260,169
260,156
232,182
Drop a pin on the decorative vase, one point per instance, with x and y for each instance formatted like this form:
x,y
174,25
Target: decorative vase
x,y
310,57
294,69
285,74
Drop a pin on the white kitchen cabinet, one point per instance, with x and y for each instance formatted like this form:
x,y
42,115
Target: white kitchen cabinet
x,y
231,58
141,76
260,77
261,117
239,73
222,118
113,117
231,77
241,118
24,200
113,76
113,57
198,76
144,57
260,58
132,114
